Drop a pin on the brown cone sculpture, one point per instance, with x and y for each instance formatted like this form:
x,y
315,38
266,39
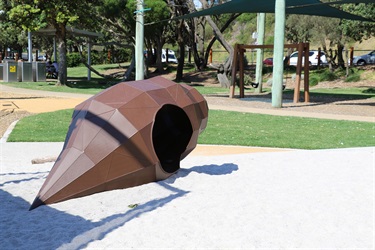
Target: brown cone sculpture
x,y
130,134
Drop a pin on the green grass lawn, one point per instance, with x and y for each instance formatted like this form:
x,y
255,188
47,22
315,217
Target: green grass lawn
x,y
235,128
78,83
224,127
229,128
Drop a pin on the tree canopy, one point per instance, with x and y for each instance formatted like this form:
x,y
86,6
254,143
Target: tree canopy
x,y
332,33
116,20
33,15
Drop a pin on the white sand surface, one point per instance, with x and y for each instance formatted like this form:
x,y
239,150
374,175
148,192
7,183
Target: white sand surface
x,y
301,199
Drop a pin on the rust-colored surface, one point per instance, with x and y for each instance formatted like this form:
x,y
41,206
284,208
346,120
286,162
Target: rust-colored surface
x,y
130,134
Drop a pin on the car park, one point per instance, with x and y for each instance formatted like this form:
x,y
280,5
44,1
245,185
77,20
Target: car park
x,y
365,59
313,58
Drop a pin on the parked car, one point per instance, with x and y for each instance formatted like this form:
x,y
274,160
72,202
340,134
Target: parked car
x,y
268,61
42,58
171,56
365,59
313,58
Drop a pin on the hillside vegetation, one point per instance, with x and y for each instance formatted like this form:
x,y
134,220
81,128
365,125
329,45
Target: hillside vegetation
x,y
242,29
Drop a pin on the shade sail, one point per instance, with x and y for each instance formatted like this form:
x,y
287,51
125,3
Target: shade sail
x,y
323,10
351,1
301,7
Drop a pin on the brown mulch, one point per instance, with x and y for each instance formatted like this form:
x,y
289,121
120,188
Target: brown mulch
x,y
9,112
8,117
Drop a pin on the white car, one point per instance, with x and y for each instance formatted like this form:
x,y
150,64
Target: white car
x,y
313,58
171,56
42,58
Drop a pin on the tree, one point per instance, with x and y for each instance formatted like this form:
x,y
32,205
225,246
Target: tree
x,y
332,33
224,69
357,30
118,21
298,28
157,33
322,30
11,35
33,15
354,30
185,32
190,32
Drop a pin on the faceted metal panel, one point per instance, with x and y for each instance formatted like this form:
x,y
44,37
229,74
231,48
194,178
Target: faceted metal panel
x,y
130,134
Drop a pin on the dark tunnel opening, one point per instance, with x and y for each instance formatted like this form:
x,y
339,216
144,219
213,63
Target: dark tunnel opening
x,y
171,134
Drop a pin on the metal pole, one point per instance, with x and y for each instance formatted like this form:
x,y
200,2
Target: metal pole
x,y
260,41
54,50
89,59
139,39
30,46
278,51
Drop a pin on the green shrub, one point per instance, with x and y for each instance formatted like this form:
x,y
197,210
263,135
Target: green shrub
x,y
369,91
73,59
327,75
98,57
355,77
123,55
313,81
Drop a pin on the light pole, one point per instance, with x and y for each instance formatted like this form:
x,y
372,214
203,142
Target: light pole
x,y
278,51
139,38
30,46
260,41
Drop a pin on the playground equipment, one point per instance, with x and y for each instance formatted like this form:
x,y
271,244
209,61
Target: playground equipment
x,y
303,52
130,134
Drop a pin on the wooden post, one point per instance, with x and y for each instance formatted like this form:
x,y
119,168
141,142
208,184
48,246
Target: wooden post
x,y
109,56
351,55
189,55
306,73
234,72
297,85
319,55
210,57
